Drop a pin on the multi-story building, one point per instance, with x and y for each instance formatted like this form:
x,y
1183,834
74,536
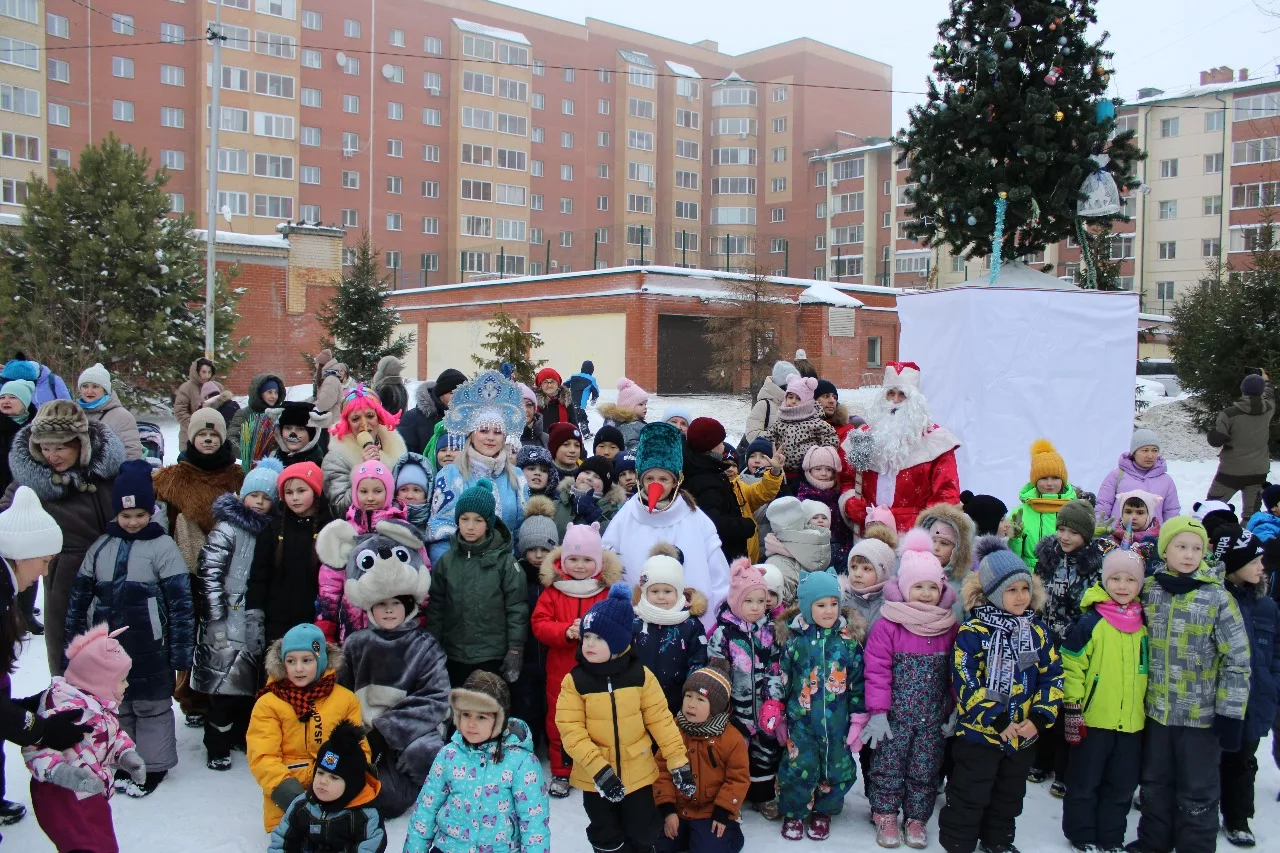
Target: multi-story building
x,y
22,119
465,136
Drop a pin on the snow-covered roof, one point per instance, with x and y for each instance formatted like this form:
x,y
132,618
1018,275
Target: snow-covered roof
x,y
1203,91
845,152
822,293
13,219
1154,318
682,70
635,57
230,238
1018,276
492,32
734,79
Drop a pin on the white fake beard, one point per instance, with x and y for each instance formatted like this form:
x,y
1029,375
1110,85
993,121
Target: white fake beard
x,y
896,433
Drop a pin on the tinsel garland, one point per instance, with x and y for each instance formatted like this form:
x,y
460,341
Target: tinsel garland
x,y
997,241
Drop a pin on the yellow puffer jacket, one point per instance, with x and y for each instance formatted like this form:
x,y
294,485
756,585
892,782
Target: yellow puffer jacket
x,y
282,747
751,497
616,709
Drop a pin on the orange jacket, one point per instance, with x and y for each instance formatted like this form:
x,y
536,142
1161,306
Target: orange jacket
x,y
719,770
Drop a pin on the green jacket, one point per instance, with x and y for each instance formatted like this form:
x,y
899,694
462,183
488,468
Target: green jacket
x,y
1199,652
1032,525
470,586
1105,668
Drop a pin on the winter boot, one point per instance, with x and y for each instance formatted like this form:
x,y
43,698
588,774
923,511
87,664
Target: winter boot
x,y
768,809
148,787
11,812
1058,789
221,762
793,829
195,721
559,787
1084,848
1239,834
886,830
917,834
1035,774
1000,847
818,826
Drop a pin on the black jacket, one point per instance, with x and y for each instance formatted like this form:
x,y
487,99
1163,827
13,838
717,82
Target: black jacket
x,y
285,579
8,429
18,721
705,479
418,424
534,433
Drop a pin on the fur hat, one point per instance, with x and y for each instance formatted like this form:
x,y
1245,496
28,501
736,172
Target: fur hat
x,y
760,444
1047,462
1180,524
744,579
903,375
538,530
781,370
23,389
97,663
1253,385
660,446
630,394
307,472
583,540
342,755
26,530
133,488
1143,437
292,413
263,477
1077,515
999,568
599,466
815,586
560,433
96,375
611,619
986,511
773,579
478,499
802,387
609,435
713,683
61,422
877,552
448,381
918,563
485,693
786,513
1122,561
306,638
705,434
207,418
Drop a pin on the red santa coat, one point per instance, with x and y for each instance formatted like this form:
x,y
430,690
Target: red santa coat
x,y
930,477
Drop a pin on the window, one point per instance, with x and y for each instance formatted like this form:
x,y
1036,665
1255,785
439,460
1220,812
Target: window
x,y
602,106
566,205
642,172
59,70
566,172
957,265
16,99
474,81
122,24
873,352
511,194
312,20
510,54
351,67
308,175
742,127
274,85
431,81
639,108
277,8
173,75
1129,206
846,203
24,53
394,222
642,77
273,125
733,186
566,239
122,110
273,166
234,79
273,206
535,201
687,210
236,203
513,124
733,216
13,191
688,118
395,111
1210,248
431,117
779,93
602,202
432,45
733,96
778,185
841,267
884,219
535,235
513,90
477,48
350,219
510,229
393,257
1167,250
686,180
639,235
15,146
477,155
1214,120
350,179
688,89
686,240
1246,238
172,117
311,98
566,139
778,214
509,158
1256,151
1169,168
395,38
177,203
275,44
566,106
431,189
395,147
733,156
847,234
536,168
1213,205
568,75
22,10
395,186
477,190
238,38
640,140
348,253
1257,106
1169,127
602,139
430,225
1121,246
639,203
847,170
351,103
1254,195
310,136
820,243
351,28
1168,210
54,25
539,101
431,262
1213,163
780,124
539,68
1164,290
477,118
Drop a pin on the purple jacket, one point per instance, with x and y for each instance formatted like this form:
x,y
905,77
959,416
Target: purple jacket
x,y
1127,476
888,640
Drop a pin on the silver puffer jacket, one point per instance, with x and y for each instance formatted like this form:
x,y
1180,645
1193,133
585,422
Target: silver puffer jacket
x,y
230,639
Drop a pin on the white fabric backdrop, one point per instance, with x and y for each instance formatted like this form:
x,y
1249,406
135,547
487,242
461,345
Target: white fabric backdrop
x,y
1003,367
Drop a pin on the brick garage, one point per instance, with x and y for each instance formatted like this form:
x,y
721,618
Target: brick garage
x,y
831,322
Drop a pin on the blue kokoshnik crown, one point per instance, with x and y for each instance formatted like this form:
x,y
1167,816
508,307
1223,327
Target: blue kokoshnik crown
x,y
489,399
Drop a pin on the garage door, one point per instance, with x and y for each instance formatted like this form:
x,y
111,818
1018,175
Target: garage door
x,y
683,355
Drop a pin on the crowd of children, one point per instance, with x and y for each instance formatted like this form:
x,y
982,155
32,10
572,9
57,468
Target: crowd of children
x,y
685,627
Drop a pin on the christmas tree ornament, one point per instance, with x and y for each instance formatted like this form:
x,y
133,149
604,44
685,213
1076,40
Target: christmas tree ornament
x,y
997,241
1003,194
1015,19
1008,43
1100,194
1059,116
1106,110
1055,73
972,220
1062,40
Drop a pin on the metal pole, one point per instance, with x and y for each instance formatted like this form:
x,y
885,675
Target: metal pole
x,y
502,267
595,252
838,254
215,38
641,245
726,252
684,245
547,267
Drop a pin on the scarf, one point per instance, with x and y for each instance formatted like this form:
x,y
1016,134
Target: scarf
x,y
923,620
714,726
827,485
1176,584
215,461
20,419
867,593
418,514
1126,619
486,466
584,588
98,403
773,545
302,699
651,613
1047,504
1012,649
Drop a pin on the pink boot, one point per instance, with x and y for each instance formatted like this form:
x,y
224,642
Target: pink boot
x,y
792,828
886,830
917,834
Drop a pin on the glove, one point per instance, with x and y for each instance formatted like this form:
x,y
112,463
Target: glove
x,y
857,722
771,716
215,634
377,743
512,664
132,763
1073,727
610,786
1230,732
81,780
286,792
586,508
682,778
949,727
877,730
62,730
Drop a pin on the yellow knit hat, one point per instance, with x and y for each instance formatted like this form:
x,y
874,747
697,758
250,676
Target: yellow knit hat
x,y
1046,461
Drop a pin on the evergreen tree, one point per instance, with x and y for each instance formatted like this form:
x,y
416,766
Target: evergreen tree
x,y
511,345
1017,109
101,272
1228,324
743,341
358,319
1097,246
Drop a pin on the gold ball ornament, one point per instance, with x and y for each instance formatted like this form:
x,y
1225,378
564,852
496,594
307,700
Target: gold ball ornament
x,y
1058,116
961,89
1003,194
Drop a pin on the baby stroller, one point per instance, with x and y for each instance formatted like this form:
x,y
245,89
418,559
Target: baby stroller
x,y
152,443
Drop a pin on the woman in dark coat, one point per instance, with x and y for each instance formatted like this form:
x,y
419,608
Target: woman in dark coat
x,y
17,409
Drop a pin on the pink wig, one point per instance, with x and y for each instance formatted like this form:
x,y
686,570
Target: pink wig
x,y
357,399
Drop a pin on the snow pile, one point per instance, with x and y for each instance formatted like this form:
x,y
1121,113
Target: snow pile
x,y
1179,437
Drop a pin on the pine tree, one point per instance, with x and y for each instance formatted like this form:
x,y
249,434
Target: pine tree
x,y
1017,108
513,346
743,341
1097,246
101,272
1228,324
357,318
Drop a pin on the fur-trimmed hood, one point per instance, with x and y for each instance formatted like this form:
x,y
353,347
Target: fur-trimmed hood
x,y
971,594
611,571
219,401
274,663
616,413
852,625
425,399
106,454
1048,552
255,403
563,397
953,516
840,417
387,372
393,448
615,494
229,508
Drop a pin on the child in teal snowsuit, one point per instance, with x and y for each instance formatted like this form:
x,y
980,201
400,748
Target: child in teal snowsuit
x,y
822,687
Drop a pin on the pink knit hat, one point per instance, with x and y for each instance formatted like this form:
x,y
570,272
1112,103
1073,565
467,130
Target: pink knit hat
x,y
97,663
583,540
877,553
527,393
802,387
918,565
210,389
744,579
822,454
630,394
1120,561
373,470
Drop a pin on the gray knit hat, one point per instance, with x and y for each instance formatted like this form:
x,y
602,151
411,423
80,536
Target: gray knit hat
x,y
781,370
1000,568
538,530
1143,437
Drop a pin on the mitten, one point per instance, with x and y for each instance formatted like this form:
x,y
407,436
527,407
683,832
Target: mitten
x,y
857,722
81,780
132,763
682,778
286,792
772,713
1230,732
62,730
377,744
1073,727
609,785
586,508
949,727
512,664
215,634
877,730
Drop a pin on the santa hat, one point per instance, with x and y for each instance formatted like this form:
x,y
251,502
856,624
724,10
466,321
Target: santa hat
x,y
904,375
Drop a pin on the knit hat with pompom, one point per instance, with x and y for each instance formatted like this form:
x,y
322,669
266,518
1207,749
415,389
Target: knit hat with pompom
x,y
611,619
97,663
918,564
1047,462
744,579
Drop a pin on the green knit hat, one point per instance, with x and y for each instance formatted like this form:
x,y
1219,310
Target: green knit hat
x,y
660,447
478,499
1180,524
1077,515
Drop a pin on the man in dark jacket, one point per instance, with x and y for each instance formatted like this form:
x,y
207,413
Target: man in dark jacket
x,y
583,391
1243,430
432,400
706,480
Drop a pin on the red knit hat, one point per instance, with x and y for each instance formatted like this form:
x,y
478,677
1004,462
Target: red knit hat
x,y
547,373
560,433
307,472
705,434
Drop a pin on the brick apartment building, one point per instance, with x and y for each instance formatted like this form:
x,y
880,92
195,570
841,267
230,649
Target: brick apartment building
x,y
462,134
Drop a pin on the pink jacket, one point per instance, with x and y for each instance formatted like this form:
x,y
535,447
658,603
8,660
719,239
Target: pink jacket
x,y
887,641
364,521
100,751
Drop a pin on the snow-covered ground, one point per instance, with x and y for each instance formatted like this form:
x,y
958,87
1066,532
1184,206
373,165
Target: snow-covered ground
x,y
202,811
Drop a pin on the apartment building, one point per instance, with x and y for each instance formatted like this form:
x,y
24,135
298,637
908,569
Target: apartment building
x,y
22,96
469,138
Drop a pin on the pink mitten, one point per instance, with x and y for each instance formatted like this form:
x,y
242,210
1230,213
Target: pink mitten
x,y
781,733
772,714
856,724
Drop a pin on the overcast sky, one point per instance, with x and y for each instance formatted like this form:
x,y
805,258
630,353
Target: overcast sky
x,y
1162,43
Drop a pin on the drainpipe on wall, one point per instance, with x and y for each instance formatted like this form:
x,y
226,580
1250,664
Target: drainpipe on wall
x,y
1224,238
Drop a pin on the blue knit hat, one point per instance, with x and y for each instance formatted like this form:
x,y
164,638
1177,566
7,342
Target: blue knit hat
x,y
624,462
661,446
815,586
133,488
263,478
677,412
20,369
23,389
412,474
478,499
759,445
306,638
611,619
999,568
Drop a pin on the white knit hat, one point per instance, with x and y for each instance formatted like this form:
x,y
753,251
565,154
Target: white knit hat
x,y
98,375
773,579
26,530
815,508
661,568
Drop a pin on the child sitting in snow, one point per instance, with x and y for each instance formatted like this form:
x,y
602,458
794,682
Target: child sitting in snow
x,y
799,426
412,477
70,788
666,640
820,483
794,546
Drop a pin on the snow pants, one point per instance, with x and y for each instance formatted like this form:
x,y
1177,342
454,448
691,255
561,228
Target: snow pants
x,y
801,791
904,771
225,724
763,754
1052,753
695,836
1179,798
984,796
1101,778
399,790
83,826
1239,770
154,729
626,827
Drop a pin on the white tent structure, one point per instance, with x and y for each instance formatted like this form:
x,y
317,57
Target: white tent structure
x,y
1033,356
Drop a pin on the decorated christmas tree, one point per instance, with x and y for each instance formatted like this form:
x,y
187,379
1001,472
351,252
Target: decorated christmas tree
x,y
1016,146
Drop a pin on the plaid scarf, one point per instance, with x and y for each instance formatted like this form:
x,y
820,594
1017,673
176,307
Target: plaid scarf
x,y
302,699
713,727
1012,649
